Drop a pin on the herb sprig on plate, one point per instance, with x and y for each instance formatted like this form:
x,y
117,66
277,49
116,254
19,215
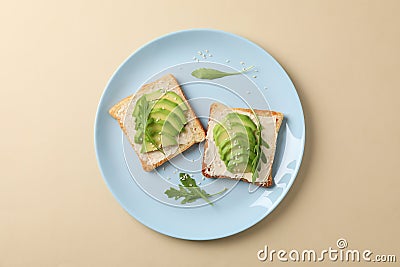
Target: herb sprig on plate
x,y
211,74
189,191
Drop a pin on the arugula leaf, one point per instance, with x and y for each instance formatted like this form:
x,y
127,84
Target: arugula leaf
x,y
141,113
263,157
264,143
255,165
211,74
189,191
190,184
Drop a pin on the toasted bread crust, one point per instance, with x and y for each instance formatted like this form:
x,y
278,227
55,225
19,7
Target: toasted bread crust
x,y
279,118
118,112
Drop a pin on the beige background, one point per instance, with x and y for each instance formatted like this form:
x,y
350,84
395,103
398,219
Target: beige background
x,y
56,58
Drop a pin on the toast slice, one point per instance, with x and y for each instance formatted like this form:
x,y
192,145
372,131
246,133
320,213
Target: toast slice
x,y
271,122
193,132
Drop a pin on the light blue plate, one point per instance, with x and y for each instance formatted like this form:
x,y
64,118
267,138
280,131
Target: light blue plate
x,y
266,87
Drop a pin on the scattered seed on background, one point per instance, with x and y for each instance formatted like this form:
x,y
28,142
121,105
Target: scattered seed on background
x,y
227,61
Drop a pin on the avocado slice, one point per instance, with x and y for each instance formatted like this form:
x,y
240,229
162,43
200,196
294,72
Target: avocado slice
x,y
171,107
165,140
236,152
164,123
229,152
154,95
174,97
217,129
224,143
233,130
238,135
241,118
160,140
138,106
240,144
235,138
221,136
148,147
239,164
159,115
162,127
236,129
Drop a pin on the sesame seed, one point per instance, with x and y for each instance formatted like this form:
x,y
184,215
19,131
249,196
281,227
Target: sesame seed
x,y
206,51
163,168
241,62
227,61
254,76
265,87
203,178
200,53
256,70
197,60
199,183
194,58
209,55
204,56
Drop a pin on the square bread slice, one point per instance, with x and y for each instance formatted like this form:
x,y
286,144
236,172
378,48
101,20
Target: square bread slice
x,y
194,132
214,167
